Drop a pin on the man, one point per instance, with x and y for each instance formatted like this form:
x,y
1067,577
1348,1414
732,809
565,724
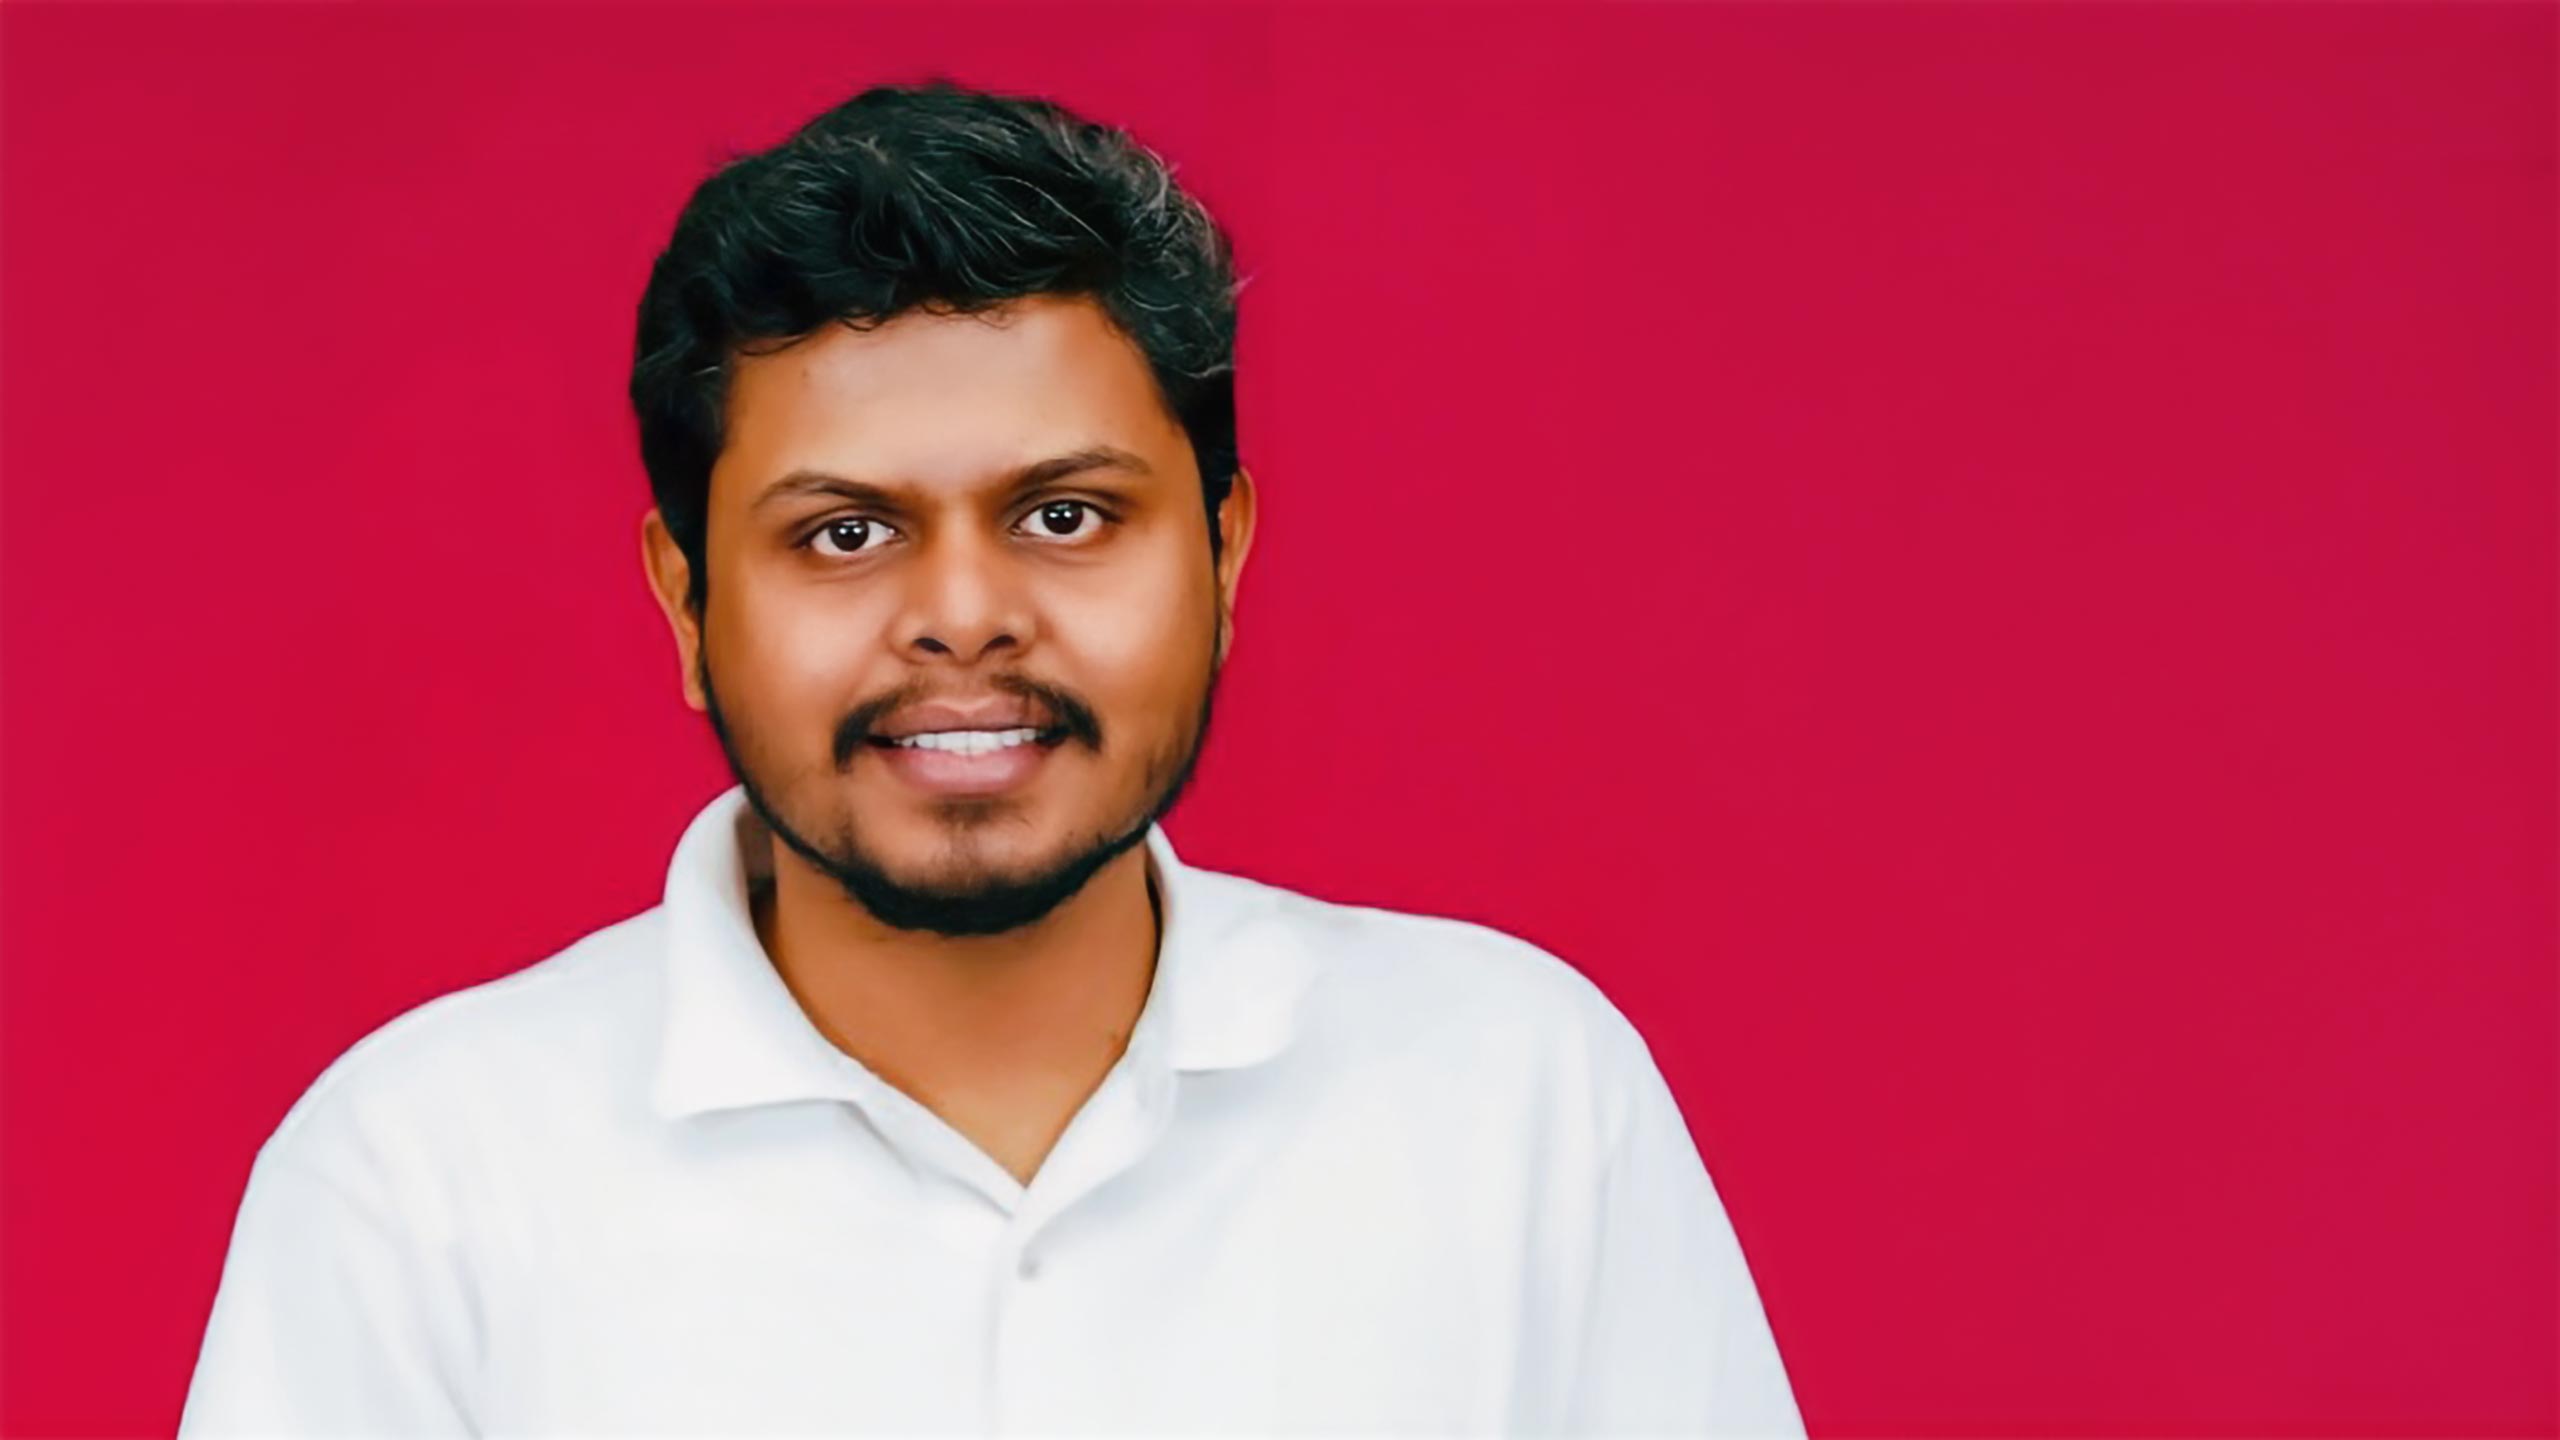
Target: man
x,y
940,1093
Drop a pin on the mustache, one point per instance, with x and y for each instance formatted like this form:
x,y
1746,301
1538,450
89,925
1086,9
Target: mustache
x,y
1074,716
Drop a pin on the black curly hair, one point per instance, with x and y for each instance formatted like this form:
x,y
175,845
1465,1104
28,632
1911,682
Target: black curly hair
x,y
939,197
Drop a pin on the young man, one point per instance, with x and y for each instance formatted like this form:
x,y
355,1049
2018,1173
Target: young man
x,y
940,1094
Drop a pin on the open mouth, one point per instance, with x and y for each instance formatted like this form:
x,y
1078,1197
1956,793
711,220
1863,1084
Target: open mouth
x,y
982,762
973,742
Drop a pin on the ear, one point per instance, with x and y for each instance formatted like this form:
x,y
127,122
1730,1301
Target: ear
x,y
1235,541
669,576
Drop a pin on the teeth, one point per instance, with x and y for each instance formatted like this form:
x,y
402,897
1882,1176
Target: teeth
x,y
969,742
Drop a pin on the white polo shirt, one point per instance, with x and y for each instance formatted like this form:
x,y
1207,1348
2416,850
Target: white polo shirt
x,y
1358,1170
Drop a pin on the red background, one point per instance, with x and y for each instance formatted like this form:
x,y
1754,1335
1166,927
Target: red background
x,y
1988,572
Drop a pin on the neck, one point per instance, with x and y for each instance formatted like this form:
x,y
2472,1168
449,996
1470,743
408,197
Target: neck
x,y
1020,1027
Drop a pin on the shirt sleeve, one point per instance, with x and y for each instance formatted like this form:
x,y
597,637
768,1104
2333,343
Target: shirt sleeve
x,y
332,1317
1677,1341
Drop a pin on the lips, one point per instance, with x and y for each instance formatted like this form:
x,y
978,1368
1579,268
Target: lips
x,y
962,773
995,713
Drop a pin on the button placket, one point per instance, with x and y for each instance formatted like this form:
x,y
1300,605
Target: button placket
x,y
1013,1379
1041,1340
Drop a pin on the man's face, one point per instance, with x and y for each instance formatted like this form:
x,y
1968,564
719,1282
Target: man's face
x,y
1086,594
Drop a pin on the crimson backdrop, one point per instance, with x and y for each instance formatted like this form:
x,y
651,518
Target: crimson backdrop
x,y
1988,572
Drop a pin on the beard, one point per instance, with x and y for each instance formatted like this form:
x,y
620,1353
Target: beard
x,y
980,904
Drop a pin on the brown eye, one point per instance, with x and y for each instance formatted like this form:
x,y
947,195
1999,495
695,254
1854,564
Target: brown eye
x,y
1058,519
845,532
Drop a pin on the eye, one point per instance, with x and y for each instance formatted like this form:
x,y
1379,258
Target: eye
x,y
1056,520
849,530
1049,517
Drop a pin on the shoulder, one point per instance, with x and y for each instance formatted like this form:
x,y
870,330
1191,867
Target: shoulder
x,y
1468,995
477,1062
1450,960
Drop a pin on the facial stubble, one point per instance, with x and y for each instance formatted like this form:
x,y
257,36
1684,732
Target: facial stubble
x,y
990,905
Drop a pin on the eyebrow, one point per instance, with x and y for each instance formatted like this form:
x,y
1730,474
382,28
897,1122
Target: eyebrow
x,y
897,497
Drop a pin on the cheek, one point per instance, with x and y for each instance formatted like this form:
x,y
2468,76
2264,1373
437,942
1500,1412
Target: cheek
x,y
1142,644
796,663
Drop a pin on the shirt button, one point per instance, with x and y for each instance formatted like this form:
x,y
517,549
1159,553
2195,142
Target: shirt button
x,y
1028,1267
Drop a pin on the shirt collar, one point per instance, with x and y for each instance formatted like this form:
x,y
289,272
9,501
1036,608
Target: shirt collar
x,y
1231,972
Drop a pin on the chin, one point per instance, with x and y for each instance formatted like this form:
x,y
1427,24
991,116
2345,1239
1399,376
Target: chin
x,y
972,853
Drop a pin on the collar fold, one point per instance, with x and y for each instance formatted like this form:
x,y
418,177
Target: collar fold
x,y
1232,968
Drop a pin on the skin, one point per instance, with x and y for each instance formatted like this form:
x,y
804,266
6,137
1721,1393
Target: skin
x,y
986,955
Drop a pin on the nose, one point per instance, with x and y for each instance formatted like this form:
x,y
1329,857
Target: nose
x,y
963,599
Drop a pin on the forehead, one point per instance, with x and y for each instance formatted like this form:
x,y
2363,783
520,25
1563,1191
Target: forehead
x,y
943,401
